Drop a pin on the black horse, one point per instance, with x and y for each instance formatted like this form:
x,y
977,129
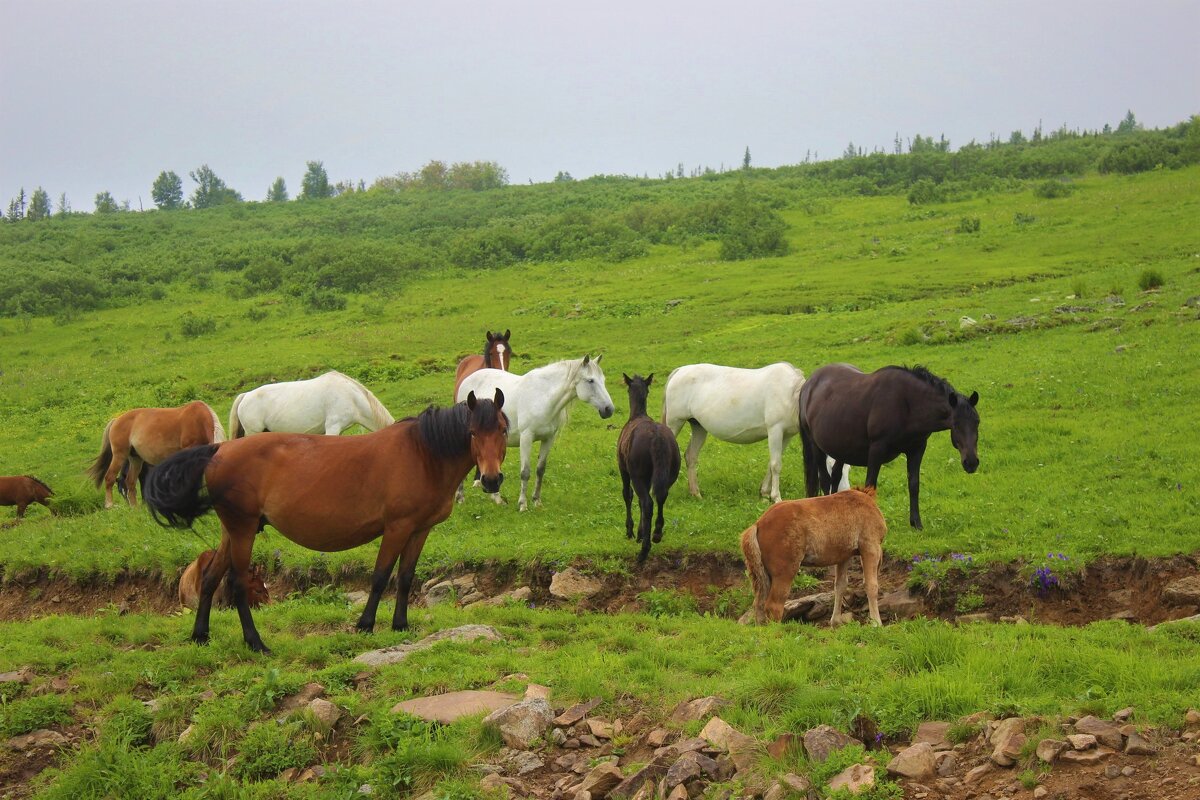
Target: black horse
x,y
648,457
868,419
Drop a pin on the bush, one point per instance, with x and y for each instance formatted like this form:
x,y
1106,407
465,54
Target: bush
x,y
968,225
32,713
128,721
1052,189
1150,279
268,749
924,191
192,325
323,300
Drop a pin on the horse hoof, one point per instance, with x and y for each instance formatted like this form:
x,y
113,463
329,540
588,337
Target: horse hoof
x,y
259,647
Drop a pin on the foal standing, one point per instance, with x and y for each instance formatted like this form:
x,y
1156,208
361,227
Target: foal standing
x,y
648,456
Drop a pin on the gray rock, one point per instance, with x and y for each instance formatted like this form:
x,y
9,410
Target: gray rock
x,y
723,736
524,762
1048,750
571,584
822,740
1137,745
691,766
946,761
38,739
448,707
900,605
1082,741
812,608
915,762
326,712
855,779
1183,592
601,780
1106,733
698,709
399,652
520,724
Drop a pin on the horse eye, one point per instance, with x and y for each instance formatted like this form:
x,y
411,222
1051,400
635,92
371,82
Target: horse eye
x,y
591,380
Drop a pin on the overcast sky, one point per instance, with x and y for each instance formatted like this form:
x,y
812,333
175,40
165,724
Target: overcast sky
x,y
105,95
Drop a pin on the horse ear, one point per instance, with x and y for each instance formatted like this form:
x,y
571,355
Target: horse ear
x,y
471,401
490,337
507,333
599,357
626,377
499,398
649,378
973,399
953,399
586,359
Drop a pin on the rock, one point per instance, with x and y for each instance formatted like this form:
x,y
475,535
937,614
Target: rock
x,y
310,774
657,737
1183,592
1093,756
439,593
558,737
571,584
326,712
822,740
844,618
645,777
1105,732
946,761
813,608
601,729
900,605
576,712
783,743
1006,728
358,597
520,724
1128,772
855,779
186,735
524,762
1082,741
967,619
1040,791
1008,750
19,676
724,736
491,782
680,792
1112,771
975,774
38,739
588,740
1192,717
602,780
537,690
398,652
775,792
1122,716
1136,745
448,707
691,766
1050,749
797,784
696,710
915,762
934,733
289,775
966,322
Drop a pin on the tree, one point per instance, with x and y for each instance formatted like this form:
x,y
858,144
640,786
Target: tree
x,y
563,177
16,207
167,191
746,158
316,183
105,204
476,176
210,190
64,205
39,205
278,192
1129,124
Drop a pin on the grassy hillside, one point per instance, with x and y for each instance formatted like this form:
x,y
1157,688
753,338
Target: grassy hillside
x,y
1088,383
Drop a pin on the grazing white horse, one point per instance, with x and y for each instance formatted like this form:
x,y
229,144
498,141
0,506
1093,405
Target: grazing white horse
x,y
536,405
328,404
737,405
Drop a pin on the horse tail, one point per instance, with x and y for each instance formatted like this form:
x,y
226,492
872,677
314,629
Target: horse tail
x,y
759,579
100,466
812,479
660,457
667,394
218,435
236,431
175,490
379,412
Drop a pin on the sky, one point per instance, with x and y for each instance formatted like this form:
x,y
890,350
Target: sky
x,y
105,96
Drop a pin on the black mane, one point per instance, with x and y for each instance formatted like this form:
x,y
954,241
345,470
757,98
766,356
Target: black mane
x,y
445,431
40,483
922,373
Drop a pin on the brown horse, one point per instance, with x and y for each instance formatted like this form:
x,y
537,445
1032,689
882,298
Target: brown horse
x,y
868,420
21,491
496,355
816,532
648,458
189,585
331,493
148,436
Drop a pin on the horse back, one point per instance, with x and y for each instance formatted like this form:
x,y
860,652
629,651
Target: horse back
x,y
822,531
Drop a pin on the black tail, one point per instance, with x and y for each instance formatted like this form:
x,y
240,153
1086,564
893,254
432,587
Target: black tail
x,y
666,468
812,457
174,490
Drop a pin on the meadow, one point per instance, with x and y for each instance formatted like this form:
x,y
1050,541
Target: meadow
x,y
1073,315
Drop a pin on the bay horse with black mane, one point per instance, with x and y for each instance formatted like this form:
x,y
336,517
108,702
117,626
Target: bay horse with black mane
x,y
867,420
331,493
23,490
496,355
148,436
648,459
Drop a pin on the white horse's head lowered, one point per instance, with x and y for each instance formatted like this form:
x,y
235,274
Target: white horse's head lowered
x,y
589,387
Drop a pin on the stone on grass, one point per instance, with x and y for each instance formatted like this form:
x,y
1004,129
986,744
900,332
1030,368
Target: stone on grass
x,y
38,739
1081,741
1008,750
1183,592
520,724
398,652
915,762
1123,715
1192,717
935,734
782,744
1048,750
696,710
723,736
821,741
537,690
18,676
326,712
855,779
571,584
451,706
1106,733
576,712
600,728
1137,745
813,608
900,605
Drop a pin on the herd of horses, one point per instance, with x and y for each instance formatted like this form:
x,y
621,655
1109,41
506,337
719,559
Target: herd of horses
x,y
284,464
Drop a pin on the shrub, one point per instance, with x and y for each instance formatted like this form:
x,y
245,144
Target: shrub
x,y
318,300
128,721
924,191
1021,218
1052,189
1150,279
268,749
192,325
968,225
32,713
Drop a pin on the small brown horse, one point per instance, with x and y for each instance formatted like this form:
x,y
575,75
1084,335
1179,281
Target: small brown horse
x,y
148,436
21,491
815,532
867,420
257,592
648,458
331,493
496,355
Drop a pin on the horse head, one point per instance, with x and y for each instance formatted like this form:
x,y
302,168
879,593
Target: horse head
x,y
639,391
964,428
590,387
489,439
497,354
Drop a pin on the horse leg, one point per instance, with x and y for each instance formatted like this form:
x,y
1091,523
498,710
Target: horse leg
x,y
119,456
239,575
21,510
692,456
777,442
912,460
408,569
131,480
385,561
526,453
209,580
841,574
871,555
660,497
627,494
543,457
839,476
646,506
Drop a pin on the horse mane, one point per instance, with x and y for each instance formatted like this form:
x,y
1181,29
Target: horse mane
x,y
40,483
444,430
379,412
923,374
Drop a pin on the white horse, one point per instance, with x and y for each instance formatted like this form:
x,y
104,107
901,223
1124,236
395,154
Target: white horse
x,y
536,405
737,405
328,404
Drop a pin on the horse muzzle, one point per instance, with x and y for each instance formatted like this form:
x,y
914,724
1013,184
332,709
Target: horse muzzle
x,y
491,483
606,412
970,464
